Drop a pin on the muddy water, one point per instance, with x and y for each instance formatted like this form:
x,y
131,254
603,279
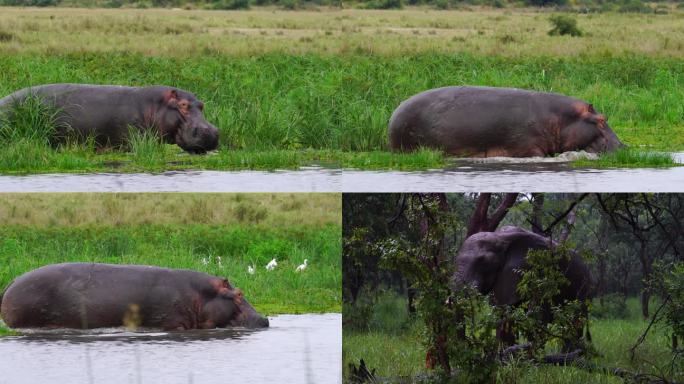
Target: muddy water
x,y
295,349
493,174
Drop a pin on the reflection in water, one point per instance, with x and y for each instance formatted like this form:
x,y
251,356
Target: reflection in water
x,y
492,174
295,349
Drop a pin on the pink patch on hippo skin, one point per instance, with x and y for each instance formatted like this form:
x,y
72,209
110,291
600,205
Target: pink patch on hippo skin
x,y
184,107
588,113
170,96
222,286
238,296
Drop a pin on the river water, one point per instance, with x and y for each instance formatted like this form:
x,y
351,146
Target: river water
x,y
294,349
475,175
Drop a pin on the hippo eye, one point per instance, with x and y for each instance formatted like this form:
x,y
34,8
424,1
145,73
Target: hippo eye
x,y
200,106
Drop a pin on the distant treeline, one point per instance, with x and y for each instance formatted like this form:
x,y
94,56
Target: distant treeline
x,y
636,6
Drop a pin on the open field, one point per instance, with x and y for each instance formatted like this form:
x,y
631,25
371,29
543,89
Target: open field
x,y
184,34
218,234
289,89
402,353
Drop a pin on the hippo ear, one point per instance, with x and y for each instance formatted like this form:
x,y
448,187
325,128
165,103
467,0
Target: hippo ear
x,y
171,98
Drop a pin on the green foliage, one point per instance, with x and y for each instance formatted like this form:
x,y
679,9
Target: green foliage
x,y
540,316
390,314
30,119
146,147
30,3
627,157
634,6
384,4
231,4
544,3
610,306
667,281
357,314
564,25
459,324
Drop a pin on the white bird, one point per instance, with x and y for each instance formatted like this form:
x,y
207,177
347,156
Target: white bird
x,y
302,267
250,269
271,264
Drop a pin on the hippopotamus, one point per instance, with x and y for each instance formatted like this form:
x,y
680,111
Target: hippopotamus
x,y
91,295
106,112
487,122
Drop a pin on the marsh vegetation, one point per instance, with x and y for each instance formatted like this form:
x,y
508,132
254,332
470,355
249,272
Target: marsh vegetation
x,y
288,89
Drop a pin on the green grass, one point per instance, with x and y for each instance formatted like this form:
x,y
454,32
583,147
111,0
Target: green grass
x,y
30,120
395,354
291,89
630,158
199,234
4,331
146,148
25,158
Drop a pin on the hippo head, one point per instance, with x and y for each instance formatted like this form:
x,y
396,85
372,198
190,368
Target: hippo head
x,y
589,132
228,308
182,122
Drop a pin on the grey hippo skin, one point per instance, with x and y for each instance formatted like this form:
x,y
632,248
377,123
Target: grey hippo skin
x,y
107,111
489,261
89,295
486,122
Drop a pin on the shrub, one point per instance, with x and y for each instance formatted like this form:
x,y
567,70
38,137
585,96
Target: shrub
x,y
231,4
614,306
390,314
634,6
385,4
564,25
30,3
6,36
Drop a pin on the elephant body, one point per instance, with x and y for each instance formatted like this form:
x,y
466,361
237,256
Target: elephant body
x,y
493,262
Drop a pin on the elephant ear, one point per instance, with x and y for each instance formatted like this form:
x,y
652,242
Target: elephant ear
x,y
517,243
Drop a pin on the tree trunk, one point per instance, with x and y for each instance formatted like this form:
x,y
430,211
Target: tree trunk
x,y
537,211
645,274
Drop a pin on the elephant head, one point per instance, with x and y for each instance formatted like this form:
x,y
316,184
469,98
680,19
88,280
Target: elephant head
x,y
492,262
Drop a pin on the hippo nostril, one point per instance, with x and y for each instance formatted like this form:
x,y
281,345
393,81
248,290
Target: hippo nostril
x,y
194,132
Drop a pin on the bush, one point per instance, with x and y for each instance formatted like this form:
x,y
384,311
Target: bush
x,y
634,6
289,4
357,315
564,25
389,314
231,4
385,4
30,3
6,36
543,3
614,307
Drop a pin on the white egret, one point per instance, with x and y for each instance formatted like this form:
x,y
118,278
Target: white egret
x,y
302,267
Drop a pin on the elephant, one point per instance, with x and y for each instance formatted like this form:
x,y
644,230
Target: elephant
x,y
492,262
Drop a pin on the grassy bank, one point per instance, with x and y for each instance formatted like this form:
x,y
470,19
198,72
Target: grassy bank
x,y
403,354
217,234
287,99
